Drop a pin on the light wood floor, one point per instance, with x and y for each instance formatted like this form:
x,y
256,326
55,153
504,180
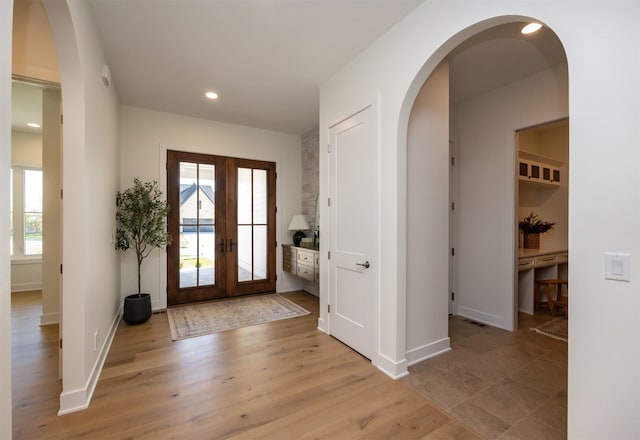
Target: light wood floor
x,y
281,380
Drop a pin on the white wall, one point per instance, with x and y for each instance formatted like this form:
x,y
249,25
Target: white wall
x,y
485,129
91,278
51,220
144,137
427,217
603,215
6,23
26,149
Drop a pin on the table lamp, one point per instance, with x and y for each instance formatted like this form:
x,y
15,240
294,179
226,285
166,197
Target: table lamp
x,y
298,224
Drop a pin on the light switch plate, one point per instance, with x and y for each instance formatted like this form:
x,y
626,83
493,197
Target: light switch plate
x,y
617,266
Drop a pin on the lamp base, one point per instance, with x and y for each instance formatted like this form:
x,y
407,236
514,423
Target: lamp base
x,y
297,237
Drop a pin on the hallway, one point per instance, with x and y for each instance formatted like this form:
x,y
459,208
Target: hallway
x,y
507,386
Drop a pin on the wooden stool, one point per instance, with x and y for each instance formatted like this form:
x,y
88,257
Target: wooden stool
x,y
549,286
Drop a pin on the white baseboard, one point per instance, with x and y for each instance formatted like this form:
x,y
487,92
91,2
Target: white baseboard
x,y
395,370
485,318
49,318
427,351
79,399
25,287
322,325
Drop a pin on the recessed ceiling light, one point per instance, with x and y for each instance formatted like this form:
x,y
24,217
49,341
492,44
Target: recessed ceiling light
x,y
531,28
33,125
211,95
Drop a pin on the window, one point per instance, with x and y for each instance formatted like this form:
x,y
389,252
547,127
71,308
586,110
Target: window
x,y
26,212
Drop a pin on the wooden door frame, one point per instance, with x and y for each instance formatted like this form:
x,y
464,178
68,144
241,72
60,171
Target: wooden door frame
x,y
226,274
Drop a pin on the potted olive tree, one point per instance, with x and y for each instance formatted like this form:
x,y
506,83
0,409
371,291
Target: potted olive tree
x,y
532,227
141,224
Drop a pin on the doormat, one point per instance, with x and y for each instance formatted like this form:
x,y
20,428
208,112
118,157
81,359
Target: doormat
x,y
557,328
217,316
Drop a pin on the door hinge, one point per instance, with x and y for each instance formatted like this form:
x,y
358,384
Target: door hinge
x,y
276,244
61,268
276,209
453,161
453,252
61,119
328,148
276,277
453,296
328,255
276,176
329,201
453,206
61,194
60,343
328,308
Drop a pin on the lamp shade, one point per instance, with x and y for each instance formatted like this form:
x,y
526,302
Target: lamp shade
x,y
299,223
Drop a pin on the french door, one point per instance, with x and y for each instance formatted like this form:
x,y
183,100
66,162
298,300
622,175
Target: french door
x,y
222,224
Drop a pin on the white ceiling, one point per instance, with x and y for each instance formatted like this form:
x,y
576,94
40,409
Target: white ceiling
x,y
26,106
267,58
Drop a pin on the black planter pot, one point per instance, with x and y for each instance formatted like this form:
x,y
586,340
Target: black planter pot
x,y
137,308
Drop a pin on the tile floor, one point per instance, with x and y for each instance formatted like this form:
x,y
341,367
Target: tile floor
x,y
504,385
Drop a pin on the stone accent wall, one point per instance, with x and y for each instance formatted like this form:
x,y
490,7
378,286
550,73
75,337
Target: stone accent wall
x,y
310,174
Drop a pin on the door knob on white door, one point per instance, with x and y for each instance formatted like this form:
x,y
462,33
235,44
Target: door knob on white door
x,y
366,265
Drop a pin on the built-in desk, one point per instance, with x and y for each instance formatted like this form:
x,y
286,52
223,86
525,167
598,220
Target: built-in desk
x,y
538,264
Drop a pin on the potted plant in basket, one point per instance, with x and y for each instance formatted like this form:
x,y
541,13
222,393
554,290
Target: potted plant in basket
x,y
532,227
140,220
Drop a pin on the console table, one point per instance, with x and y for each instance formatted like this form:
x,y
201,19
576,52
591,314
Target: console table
x,y
538,264
301,262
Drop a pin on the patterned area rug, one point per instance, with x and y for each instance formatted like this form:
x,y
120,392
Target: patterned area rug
x,y
557,328
203,319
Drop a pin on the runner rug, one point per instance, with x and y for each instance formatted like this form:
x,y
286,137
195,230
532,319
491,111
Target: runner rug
x,y
217,316
557,328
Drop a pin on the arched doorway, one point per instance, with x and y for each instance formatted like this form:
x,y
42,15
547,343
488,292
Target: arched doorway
x,y
463,107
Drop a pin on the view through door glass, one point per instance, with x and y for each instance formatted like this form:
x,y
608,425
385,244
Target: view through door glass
x,y
225,226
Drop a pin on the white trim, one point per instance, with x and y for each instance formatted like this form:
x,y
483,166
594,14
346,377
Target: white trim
x,y
18,261
79,399
322,325
428,351
485,318
26,287
395,370
49,319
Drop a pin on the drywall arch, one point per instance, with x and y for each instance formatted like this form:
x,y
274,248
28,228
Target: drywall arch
x,y
485,291
604,103
72,297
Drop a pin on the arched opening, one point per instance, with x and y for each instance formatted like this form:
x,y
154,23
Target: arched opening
x,y
462,197
36,208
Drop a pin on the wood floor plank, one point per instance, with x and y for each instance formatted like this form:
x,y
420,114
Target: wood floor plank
x,y
280,380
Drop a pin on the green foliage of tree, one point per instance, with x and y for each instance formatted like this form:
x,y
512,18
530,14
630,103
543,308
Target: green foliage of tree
x,y
141,220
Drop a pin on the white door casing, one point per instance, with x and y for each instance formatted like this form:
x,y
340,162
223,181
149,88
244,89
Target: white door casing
x,y
353,241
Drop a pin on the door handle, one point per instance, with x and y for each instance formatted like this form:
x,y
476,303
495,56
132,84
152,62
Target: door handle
x,y
222,245
231,245
366,265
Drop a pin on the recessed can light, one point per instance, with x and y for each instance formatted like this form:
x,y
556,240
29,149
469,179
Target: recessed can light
x,y
531,28
211,95
33,125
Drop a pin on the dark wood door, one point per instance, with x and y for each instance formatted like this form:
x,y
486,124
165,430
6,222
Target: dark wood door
x,y
223,223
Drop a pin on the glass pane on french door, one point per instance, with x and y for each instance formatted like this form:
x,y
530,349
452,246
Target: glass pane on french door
x,y
252,224
197,224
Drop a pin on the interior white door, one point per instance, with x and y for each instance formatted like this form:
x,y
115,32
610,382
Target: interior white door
x,y
353,270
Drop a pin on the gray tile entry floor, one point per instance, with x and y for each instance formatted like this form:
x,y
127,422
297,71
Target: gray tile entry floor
x,y
504,385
